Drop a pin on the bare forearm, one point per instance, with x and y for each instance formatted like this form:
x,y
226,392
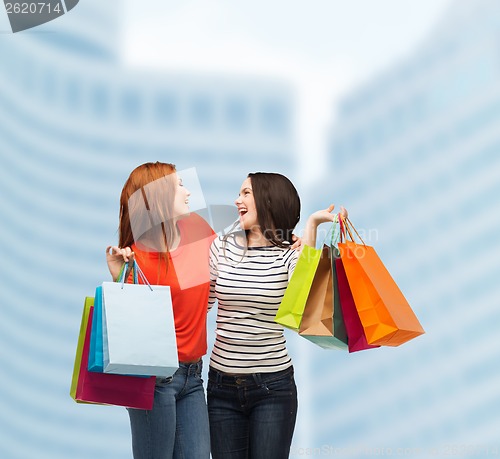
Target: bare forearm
x,y
309,237
315,219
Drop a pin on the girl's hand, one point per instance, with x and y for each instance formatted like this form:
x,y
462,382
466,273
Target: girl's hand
x,y
297,243
318,217
115,257
322,216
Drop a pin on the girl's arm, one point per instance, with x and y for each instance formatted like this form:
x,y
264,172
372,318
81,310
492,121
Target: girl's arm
x,y
315,219
115,258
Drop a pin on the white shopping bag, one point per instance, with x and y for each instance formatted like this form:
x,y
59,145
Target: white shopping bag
x,y
138,330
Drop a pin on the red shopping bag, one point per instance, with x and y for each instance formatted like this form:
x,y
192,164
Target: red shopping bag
x,y
356,339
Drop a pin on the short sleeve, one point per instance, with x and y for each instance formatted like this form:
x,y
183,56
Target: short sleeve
x,y
290,258
214,270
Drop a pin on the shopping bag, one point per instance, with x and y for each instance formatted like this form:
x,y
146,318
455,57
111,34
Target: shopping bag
x,y
89,301
292,305
356,339
385,314
322,321
339,329
95,352
138,329
107,389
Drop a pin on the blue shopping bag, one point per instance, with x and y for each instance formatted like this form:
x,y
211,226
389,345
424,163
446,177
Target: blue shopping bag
x,y
96,356
95,353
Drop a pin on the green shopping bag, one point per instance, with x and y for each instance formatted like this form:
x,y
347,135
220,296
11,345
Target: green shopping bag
x,y
89,302
294,301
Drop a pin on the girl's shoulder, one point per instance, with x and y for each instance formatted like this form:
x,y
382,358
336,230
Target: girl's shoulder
x,y
232,242
195,228
290,256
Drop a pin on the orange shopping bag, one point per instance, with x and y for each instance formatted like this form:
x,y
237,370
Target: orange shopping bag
x,y
385,314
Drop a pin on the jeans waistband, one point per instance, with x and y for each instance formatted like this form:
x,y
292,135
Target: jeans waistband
x,y
190,368
186,369
246,379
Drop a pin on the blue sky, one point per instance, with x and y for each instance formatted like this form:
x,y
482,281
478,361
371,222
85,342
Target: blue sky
x,y
324,48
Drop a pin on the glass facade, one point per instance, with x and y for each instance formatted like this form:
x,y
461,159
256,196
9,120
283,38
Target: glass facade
x,y
414,157
73,123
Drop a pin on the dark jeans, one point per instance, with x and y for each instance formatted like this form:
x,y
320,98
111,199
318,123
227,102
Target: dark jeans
x,y
251,416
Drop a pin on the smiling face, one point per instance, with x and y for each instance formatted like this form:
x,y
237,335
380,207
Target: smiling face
x,y
181,198
245,204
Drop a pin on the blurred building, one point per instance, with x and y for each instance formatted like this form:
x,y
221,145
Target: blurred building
x,y
414,156
73,124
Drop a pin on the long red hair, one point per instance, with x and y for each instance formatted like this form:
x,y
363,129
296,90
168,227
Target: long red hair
x,y
139,178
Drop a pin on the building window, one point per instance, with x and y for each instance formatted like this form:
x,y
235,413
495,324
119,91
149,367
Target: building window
x,y
166,109
49,85
99,101
274,117
27,75
130,105
201,112
73,93
236,114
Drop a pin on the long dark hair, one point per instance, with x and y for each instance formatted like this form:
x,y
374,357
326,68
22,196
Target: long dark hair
x,y
278,206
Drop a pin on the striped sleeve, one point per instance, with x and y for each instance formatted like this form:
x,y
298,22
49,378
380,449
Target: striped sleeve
x,y
290,261
214,272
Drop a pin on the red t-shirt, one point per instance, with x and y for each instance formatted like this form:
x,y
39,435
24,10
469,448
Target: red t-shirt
x,y
189,280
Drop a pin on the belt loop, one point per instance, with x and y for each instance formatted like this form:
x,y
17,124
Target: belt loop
x,y
257,377
218,377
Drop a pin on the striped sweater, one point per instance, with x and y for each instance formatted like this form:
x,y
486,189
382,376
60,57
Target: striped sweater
x,y
249,284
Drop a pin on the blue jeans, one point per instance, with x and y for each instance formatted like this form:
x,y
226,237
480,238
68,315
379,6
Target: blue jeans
x,y
177,426
251,416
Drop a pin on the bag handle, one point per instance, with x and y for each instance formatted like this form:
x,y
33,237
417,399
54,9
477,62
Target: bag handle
x,y
346,224
341,229
332,235
137,273
125,271
335,234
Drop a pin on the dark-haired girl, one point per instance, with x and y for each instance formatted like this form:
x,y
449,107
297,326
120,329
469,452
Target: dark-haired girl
x,y
252,397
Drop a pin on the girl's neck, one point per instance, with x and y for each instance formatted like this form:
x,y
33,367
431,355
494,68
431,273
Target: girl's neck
x,y
257,239
154,240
